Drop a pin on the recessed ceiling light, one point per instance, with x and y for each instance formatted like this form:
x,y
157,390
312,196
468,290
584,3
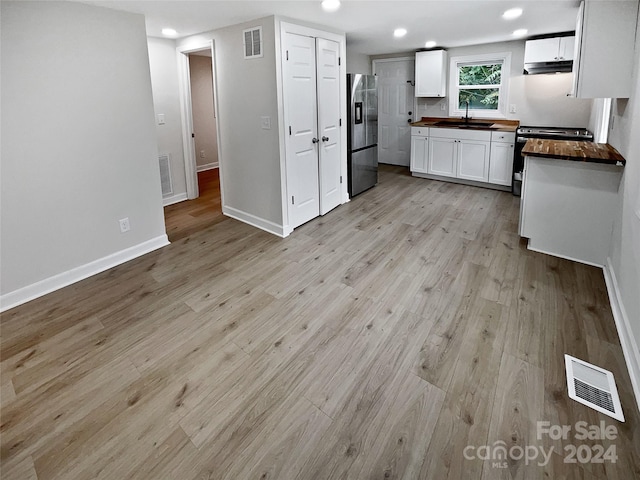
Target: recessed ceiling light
x,y
169,32
330,5
399,32
512,13
430,44
521,32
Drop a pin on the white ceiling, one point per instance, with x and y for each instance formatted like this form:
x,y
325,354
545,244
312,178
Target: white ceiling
x,y
369,24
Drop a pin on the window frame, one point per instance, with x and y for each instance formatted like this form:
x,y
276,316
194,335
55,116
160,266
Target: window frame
x,y
454,89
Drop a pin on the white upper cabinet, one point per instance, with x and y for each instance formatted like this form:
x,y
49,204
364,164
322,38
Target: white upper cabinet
x,y
605,38
431,73
549,50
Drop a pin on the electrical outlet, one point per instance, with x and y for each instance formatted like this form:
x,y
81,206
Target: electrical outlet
x,y
512,108
202,154
124,225
265,123
161,119
443,106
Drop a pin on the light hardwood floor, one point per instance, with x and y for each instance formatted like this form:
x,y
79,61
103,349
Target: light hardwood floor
x,y
189,217
376,342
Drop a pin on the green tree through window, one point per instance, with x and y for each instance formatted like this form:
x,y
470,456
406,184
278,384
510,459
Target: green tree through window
x,y
480,86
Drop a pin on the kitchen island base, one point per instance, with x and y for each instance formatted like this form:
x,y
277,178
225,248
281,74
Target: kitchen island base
x,y
568,207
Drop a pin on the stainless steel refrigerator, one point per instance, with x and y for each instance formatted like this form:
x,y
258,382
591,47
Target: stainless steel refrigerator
x,y
362,132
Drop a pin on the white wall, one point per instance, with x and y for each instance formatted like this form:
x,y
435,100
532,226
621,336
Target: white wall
x,y
250,155
358,62
204,120
540,99
78,145
164,82
625,250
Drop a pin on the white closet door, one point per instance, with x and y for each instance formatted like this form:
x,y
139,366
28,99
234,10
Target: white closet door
x,y
328,84
299,74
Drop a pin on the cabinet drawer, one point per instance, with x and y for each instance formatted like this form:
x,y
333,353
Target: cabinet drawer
x,y
421,131
505,137
461,134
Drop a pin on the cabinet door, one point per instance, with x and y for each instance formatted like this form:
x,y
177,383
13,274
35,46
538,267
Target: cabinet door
x,y
442,156
567,47
473,160
431,73
419,154
501,163
543,50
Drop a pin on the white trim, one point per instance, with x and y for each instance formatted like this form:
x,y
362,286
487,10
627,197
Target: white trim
x,y
257,222
180,197
207,166
501,112
584,262
623,325
61,280
186,113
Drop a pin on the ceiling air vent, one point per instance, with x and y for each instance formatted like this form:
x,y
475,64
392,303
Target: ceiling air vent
x,y
253,42
593,386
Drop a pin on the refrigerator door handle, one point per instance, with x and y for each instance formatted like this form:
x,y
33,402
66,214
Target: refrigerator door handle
x,y
358,113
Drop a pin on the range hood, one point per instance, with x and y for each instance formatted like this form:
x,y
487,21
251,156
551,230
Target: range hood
x,y
537,68
550,54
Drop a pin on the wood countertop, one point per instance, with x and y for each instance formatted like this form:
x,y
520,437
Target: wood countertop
x,y
498,125
570,150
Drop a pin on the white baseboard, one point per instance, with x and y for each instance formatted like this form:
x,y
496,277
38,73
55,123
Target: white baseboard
x,y
56,282
254,221
566,257
208,166
181,197
629,345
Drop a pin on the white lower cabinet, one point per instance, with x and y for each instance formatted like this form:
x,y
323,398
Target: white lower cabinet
x,y
442,156
419,149
482,156
473,160
501,163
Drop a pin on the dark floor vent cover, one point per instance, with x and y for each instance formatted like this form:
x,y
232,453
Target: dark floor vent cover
x,y
593,386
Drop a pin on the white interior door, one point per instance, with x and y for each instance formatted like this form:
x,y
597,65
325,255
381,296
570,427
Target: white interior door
x,y
395,110
299,78
328,93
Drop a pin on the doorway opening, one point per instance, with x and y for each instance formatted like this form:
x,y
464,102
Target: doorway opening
x,y
200,129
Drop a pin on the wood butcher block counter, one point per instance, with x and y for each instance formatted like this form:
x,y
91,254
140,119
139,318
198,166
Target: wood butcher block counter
x,y
496,125
570,150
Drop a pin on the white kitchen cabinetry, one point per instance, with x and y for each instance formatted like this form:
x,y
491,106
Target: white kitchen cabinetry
x,y
549,50
459,153
431,73
443,156
501,159
605,39
419,149
473,160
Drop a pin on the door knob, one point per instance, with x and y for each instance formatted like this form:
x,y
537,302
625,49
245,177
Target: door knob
x,y
410,113
325,139
315,140
409,120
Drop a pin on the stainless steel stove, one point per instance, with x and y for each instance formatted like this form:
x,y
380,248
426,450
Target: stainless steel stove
x,y
547,133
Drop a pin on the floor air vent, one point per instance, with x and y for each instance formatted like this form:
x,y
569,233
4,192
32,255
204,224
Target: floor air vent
x,y
593,386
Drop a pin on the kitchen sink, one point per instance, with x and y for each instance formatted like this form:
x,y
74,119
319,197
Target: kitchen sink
x,y
463,124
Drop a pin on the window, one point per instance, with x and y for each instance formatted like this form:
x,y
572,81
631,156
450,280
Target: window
x,y
482,81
